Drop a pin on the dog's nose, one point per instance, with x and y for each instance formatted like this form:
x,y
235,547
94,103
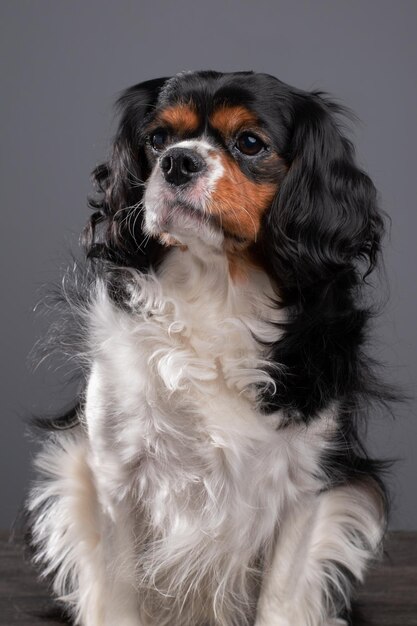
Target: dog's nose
x,y
180,165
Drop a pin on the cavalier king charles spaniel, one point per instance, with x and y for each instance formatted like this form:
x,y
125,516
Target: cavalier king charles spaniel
x,y
211,472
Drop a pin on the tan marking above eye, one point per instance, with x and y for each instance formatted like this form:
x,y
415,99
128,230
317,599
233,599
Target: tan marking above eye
x,y
182,118
230,119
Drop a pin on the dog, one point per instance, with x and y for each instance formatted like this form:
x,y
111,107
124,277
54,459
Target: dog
x,y
212,470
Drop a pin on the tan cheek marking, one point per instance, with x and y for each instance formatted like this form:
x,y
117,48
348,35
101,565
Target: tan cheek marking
x,y
238,202
182,118
228,119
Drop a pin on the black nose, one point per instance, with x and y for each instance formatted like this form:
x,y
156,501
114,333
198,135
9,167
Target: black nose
x,y
180,165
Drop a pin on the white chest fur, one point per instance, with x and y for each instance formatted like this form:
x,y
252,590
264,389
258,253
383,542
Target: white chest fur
x,y
174,428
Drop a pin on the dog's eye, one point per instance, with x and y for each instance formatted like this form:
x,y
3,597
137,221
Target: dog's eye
x,y
249,144
158,139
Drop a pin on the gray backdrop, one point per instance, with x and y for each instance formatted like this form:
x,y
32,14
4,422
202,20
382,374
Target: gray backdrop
x,y
63,62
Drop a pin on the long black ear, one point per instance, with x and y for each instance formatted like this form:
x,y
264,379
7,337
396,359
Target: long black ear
x,y
321,238
325,219
114,231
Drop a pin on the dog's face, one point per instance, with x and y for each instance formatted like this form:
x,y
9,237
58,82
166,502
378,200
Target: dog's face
x,y
215,168
245,162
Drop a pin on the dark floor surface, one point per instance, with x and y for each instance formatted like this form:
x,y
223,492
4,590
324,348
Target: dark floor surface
x,y
388,598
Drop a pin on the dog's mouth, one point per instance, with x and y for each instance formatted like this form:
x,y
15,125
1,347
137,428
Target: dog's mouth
x,y
171,212
177,222
173,219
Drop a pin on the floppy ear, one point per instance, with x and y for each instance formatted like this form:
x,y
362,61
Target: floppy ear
x,y
322,237
114,230
325,219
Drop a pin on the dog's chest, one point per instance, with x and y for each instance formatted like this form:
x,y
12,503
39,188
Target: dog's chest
x,y
171,401
174,429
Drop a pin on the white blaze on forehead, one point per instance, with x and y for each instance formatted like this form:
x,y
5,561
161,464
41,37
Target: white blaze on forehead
x,y
202,146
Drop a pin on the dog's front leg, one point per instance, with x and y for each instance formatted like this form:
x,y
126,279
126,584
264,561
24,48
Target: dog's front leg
x,y
324,543
116,511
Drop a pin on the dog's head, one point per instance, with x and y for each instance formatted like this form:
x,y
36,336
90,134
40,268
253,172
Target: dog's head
x,y
215,161
241,161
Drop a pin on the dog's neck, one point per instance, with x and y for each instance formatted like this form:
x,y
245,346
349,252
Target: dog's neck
x,y
218,280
